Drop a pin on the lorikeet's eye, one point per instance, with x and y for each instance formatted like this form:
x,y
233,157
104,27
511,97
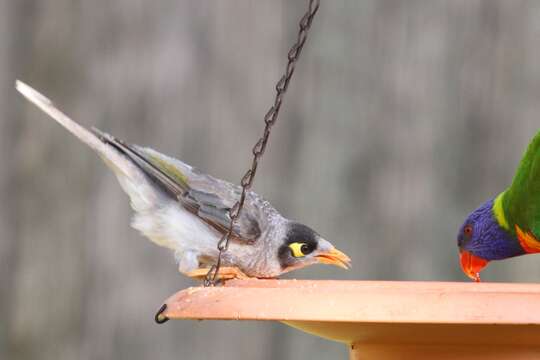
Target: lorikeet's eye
x,y
300,249
468,230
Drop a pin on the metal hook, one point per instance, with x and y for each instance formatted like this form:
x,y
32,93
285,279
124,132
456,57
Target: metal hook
x,y
160,318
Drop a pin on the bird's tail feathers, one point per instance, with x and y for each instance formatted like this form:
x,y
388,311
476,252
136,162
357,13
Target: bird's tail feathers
x,y
131,178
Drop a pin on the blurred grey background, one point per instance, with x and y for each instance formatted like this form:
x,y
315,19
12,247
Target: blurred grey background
x,y
402,117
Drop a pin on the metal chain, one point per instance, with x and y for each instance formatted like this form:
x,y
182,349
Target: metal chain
x,y
259,148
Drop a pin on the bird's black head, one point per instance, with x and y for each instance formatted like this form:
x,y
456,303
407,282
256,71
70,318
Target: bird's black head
x,y
302,246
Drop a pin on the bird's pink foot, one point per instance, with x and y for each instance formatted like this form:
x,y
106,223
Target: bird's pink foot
x,y
225,273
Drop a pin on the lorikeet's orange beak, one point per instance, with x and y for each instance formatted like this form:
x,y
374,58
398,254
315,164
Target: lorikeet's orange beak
x,y
472,265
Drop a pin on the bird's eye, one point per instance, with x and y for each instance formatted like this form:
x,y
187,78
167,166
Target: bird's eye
x,y
300,249
468,230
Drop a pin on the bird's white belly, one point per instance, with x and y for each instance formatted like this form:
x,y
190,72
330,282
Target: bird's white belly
x,y
175,228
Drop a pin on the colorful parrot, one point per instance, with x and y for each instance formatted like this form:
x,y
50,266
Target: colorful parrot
x,y
507,225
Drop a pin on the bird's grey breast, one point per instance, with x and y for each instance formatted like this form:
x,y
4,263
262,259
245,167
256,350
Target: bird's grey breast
x,y
257,233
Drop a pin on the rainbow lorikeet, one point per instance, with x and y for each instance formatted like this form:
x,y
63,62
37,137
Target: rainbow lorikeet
x,y
507,225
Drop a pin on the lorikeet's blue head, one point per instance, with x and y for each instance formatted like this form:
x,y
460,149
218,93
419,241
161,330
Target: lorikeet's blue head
x,y
482,239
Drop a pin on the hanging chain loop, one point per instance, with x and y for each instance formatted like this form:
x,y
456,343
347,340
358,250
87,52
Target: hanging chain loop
x,y
259,148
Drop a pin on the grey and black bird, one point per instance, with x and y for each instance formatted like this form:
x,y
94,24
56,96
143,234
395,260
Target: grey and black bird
x,y
180,208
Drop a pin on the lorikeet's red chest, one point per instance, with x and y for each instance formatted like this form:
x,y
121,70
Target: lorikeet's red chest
x,y
527,240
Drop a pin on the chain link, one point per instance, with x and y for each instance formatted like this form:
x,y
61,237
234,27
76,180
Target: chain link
x,y
258,150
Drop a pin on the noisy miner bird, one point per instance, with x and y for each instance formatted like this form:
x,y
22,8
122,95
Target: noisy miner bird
x,y
507,225
180,208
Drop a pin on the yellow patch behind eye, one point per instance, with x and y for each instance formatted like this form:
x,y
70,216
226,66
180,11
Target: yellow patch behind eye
x,y
296,249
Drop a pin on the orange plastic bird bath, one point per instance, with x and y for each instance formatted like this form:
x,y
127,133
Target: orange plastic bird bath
x,y
384,319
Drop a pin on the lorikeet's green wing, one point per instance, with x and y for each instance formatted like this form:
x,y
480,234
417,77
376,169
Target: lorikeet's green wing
x,y
520,203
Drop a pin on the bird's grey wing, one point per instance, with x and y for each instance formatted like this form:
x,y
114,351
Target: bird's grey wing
x,y
148,176
203,195
171,182
215,210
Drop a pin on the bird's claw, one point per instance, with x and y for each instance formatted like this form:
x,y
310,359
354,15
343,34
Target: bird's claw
x,y
224,273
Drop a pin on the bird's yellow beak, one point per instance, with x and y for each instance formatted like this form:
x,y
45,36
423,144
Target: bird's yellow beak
x,y
471,264
334,257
